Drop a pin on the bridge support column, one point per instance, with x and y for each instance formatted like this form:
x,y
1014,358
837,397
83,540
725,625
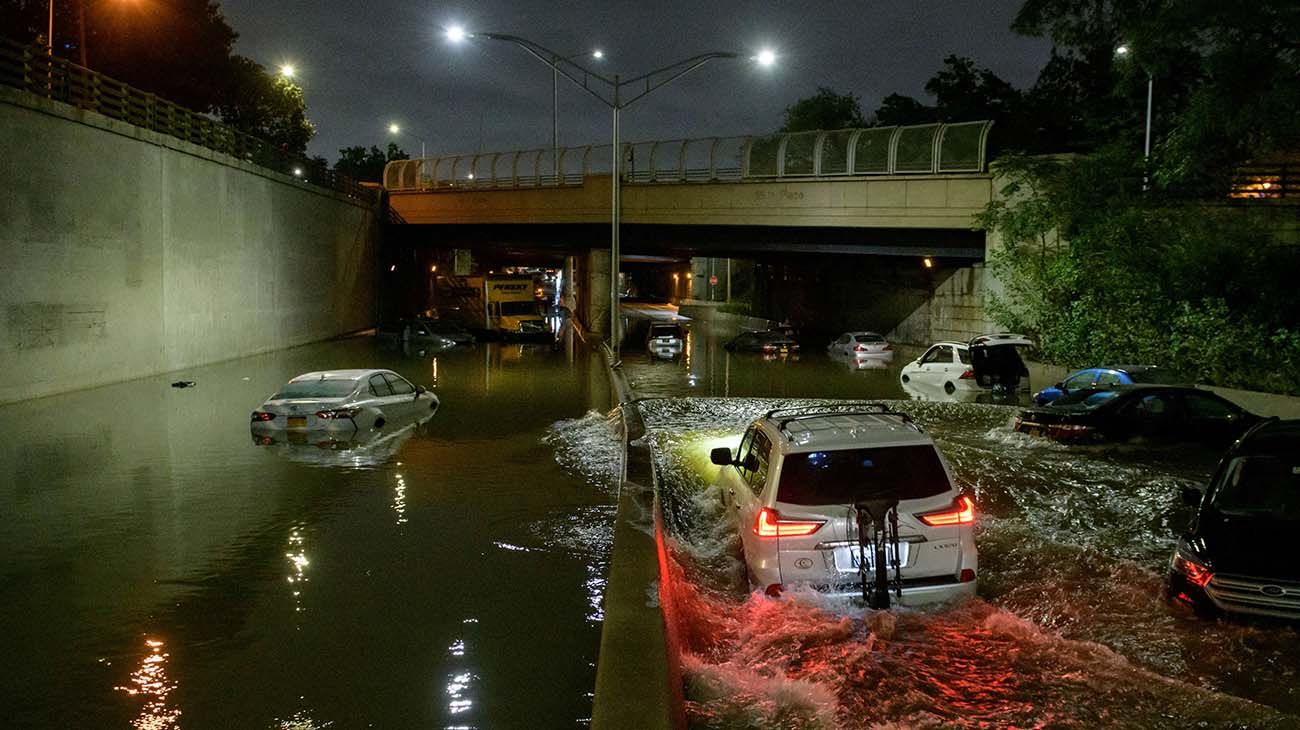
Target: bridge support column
x,y
568,285
595,292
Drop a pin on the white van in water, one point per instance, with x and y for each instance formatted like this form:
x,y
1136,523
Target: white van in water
x,y
800,480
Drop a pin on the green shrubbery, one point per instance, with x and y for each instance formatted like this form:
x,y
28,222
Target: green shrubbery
x,y
1101,272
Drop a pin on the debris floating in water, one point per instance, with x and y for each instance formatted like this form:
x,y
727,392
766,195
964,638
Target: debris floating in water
x,y
183,384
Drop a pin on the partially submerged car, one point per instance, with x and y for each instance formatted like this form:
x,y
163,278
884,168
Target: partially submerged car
x,y
1107,376
799,480
343,401
989,362
1146,412
769,343
1237,555
665,340
863,345
448,329
414,331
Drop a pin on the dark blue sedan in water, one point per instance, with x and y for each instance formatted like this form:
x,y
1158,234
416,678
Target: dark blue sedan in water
x,y
1104,377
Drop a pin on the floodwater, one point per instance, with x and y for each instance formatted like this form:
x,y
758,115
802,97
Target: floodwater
x,y
163,570
1070,628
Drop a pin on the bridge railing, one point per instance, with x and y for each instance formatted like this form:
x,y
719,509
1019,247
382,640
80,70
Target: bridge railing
x,y
917,149
31,69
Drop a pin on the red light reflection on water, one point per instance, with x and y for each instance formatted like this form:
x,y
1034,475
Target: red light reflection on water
x,y
150,683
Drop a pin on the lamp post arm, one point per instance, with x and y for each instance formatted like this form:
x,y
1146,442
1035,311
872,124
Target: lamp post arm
x,y
674,72
556,62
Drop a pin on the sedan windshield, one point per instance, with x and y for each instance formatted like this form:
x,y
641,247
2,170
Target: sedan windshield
x,y
844,477
1261,486
334,388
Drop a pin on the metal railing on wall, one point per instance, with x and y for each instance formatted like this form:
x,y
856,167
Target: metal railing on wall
x,y
31,69
1266,182
911,150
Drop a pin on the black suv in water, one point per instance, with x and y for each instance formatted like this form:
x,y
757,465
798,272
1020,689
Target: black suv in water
x,y
1238,553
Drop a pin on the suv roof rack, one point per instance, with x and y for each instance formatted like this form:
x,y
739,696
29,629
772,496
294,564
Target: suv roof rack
x,y
845,408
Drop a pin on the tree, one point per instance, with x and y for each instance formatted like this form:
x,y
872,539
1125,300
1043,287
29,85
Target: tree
x,y
898,109
826,109
179,50
1227,78
361,164
267,106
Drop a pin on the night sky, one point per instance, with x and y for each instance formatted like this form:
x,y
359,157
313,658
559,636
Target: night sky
x,y
363,63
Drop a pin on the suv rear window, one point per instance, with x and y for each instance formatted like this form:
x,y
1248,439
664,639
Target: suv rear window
x,y
844,477
1261,485
670,330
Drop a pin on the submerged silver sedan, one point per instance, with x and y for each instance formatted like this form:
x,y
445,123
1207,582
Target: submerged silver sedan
x,y
344,400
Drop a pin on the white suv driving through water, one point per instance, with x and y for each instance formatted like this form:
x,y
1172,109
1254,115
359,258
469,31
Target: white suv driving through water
x,y
801,476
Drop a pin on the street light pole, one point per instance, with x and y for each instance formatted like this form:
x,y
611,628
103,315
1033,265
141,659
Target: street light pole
x,y
1146,148
582,77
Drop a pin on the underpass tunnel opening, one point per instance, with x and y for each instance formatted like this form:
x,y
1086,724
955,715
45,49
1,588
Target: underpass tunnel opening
x,y
656,279
912,299
491,293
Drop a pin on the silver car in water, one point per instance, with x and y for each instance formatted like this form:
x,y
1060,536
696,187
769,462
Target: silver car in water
x,y
343,401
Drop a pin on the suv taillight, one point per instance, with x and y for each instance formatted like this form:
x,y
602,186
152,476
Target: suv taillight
x,y
770,524
262,416
968,375
962,512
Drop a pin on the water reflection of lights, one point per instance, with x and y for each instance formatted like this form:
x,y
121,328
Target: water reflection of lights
x,y
457,702
457,647
298,565
150,681
399,500
595,585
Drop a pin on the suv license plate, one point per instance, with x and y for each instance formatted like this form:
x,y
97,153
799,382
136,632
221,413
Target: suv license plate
x,y
846,558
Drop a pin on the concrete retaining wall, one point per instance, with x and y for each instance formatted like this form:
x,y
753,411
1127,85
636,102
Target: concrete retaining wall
x,y
954,310
128,253
708,312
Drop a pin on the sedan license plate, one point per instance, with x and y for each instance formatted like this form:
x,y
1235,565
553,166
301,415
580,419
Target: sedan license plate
x,y
297,422
846,558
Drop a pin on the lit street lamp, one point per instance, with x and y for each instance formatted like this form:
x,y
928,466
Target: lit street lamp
x,y
287,70
396,129
1123,52
555,105
615,99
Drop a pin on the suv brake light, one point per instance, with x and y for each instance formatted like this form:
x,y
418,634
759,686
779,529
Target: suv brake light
x,y
962,512
968,375
770,524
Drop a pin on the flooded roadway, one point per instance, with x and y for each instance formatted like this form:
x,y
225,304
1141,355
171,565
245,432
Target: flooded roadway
x,y
162,570
1070,629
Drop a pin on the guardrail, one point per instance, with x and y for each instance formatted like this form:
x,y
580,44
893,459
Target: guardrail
x,y
917,149
1267,182
31,69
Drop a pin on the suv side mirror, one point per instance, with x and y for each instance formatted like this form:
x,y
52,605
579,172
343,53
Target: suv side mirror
x,y
1192,496
721,456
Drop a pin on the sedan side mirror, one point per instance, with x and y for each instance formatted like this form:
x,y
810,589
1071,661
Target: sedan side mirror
x,y
1192,496
1059,386
421,389
720,456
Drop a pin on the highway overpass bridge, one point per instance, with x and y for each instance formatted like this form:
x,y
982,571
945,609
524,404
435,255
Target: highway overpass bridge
x,y
886,191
